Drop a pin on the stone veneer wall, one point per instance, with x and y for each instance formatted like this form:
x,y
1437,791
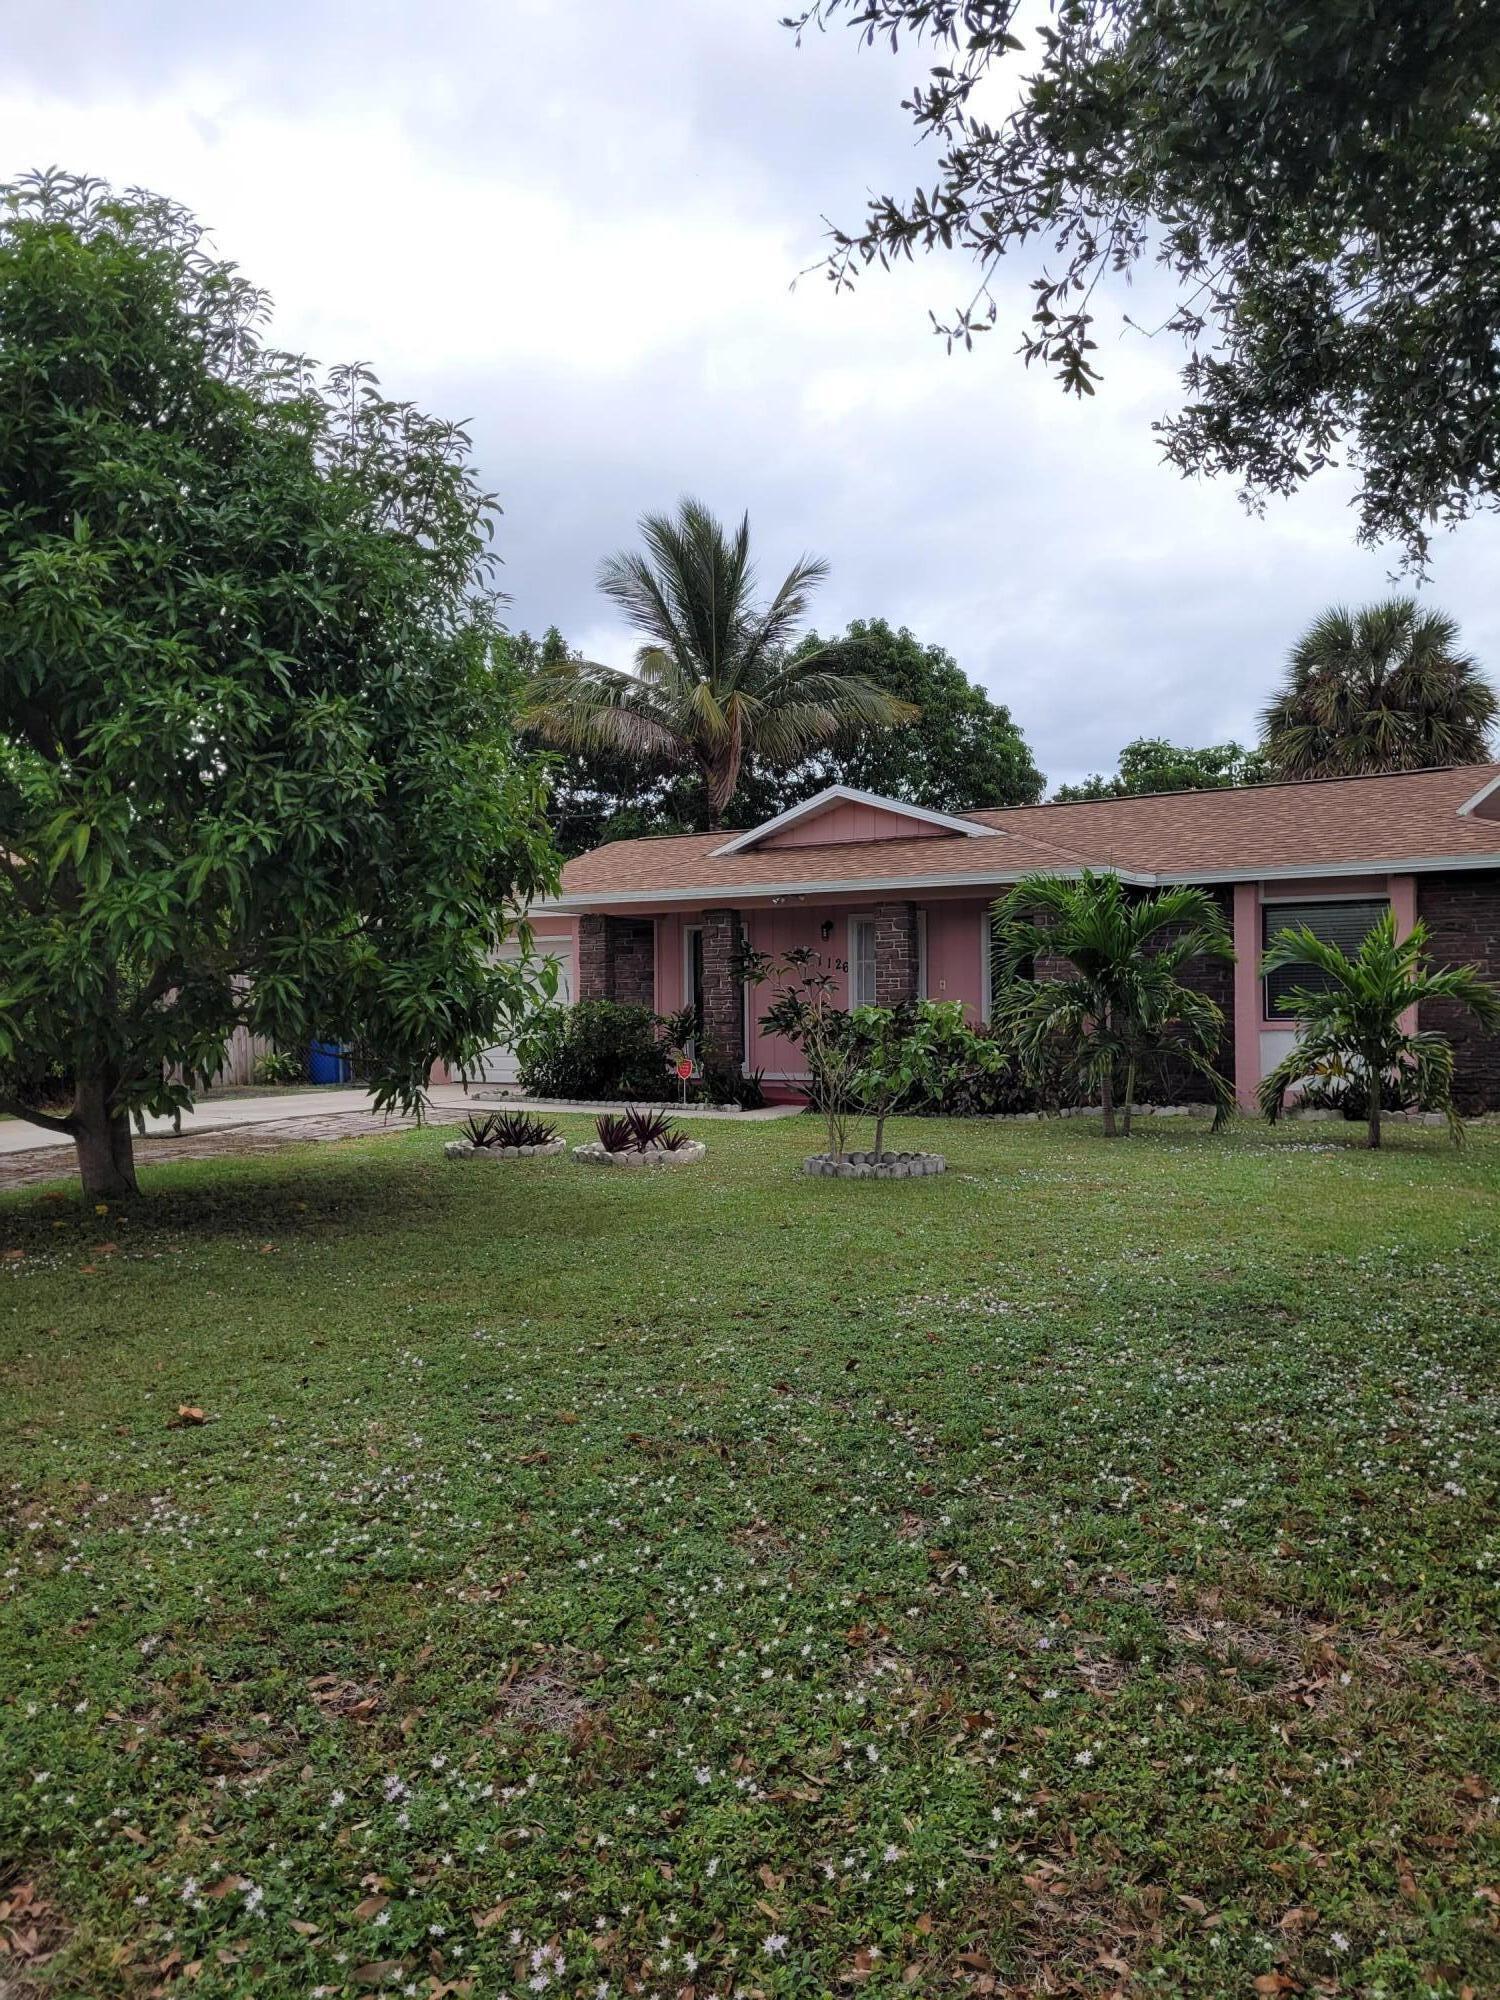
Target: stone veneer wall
x,y
1215,977
723,1001
1462,915
895,953
617,960
1175,1082
632,942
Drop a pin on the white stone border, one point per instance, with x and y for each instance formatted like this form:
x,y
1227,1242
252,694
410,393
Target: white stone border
x,y
594,1155
875,1167
461,1149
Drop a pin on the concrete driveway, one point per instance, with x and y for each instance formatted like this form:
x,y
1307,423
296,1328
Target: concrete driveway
x,y
16,1136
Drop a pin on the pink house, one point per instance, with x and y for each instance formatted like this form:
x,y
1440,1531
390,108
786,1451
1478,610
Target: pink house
x,y
896,900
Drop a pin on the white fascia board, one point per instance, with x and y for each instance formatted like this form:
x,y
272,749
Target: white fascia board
x,y
1427,864
1472,805
726,893
849,795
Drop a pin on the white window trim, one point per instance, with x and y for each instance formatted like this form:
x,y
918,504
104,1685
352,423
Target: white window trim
x,y
854,999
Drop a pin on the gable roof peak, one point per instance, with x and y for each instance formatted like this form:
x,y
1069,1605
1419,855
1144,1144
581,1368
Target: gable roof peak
x,y
836,795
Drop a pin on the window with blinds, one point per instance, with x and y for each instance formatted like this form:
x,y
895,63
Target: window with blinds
x,y
1345,924
862,962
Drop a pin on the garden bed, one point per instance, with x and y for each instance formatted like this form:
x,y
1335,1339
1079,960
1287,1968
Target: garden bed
x,y
595,1154
462,1149
875,1166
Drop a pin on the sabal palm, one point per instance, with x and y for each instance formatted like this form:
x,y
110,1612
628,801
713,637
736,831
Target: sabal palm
x,y
1382,689
715,679
1126,1003
1352,1024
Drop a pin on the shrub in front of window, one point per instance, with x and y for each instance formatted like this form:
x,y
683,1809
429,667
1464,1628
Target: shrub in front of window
x,y
1350,1008
1125,1010
595,1049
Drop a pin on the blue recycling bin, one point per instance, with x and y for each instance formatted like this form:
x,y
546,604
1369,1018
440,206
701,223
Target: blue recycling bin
x,y
328,1062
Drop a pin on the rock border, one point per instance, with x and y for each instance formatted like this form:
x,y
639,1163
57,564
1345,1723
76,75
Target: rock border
x,y
461,1149
875,1166
592,1154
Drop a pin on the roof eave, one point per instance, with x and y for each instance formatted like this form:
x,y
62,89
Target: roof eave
x,y
723,894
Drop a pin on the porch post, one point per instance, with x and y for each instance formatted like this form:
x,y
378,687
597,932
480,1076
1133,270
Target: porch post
x,y
617,960
895,953
592,969
723,1002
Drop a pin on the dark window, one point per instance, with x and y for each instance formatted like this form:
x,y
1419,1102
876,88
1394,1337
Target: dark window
x,y
1345,924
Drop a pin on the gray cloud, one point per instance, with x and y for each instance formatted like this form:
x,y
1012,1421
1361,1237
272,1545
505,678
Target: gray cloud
x,y
578,228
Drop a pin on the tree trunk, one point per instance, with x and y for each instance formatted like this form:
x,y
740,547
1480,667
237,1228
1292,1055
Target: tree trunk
x,y
103,1141
1129,1097
1107,1104
1374,1138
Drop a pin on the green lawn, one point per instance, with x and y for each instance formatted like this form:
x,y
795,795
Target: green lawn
x,y
1074,1575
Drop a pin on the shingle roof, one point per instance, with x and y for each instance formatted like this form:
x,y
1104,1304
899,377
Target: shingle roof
x,y
1327,827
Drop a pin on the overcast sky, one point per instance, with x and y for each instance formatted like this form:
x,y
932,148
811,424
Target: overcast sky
x,y
577,226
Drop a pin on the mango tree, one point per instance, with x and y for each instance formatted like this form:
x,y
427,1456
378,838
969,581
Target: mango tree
x,y
256,764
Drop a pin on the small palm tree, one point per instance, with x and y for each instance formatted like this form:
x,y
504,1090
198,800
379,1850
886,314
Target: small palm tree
x,y
1126,1004
1351,1020
716,679
1383,689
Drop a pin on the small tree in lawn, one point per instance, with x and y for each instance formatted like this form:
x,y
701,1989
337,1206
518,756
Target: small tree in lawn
x,y
1125,1006
255,758
1351,1019
805,1013
912,1054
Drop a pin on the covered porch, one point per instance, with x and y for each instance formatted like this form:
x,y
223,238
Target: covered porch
x,y
876,950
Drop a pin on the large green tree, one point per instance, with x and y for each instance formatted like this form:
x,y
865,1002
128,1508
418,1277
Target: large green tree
x,y
961,750
1151,764
595,795
1387,688
255,764
719,677
1318,181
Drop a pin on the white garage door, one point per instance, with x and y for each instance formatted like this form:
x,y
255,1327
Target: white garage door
x,y
498,1064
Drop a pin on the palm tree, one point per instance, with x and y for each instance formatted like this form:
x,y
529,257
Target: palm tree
x,y
1126,1003
1351,1018
715,680
1383,689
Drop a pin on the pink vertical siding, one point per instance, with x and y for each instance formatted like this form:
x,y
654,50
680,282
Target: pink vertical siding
x,y
956,954
669,981
1248,1002
1404,910
776,932
850,821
